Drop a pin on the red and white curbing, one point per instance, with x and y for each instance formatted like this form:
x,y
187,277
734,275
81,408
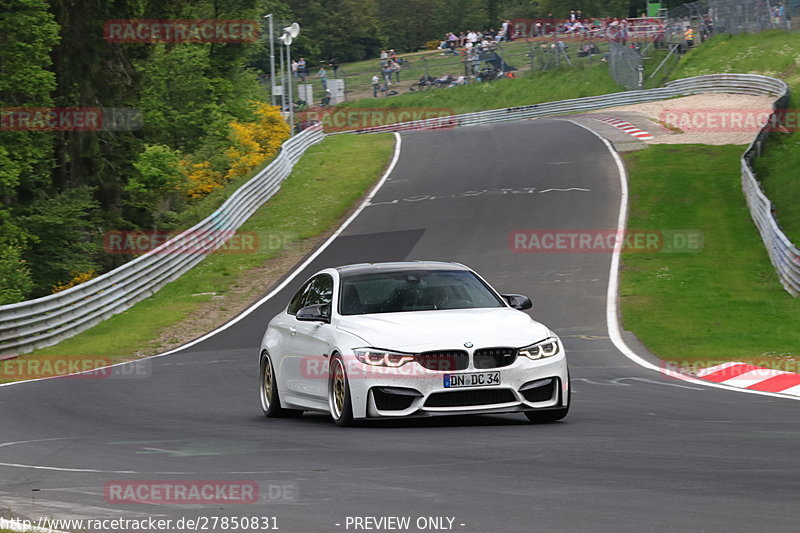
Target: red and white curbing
x,y
627,127
753,377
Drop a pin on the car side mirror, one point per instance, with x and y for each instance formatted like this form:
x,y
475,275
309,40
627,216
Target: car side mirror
x,y
518,301
315,313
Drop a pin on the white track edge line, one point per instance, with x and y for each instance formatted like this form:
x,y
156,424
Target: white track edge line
x,y
612,318
276,290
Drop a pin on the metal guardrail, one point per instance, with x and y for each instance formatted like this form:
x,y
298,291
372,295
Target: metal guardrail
x,y
724,83
783,254
45,321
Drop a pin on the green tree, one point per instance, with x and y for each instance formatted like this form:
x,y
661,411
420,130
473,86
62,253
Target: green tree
x,y
15,276
64,233
156,191
408,25
348,30
29,33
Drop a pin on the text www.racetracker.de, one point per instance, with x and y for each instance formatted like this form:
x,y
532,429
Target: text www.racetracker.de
x,y
200,523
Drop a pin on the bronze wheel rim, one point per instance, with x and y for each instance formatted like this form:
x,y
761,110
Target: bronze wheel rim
x,y
266,390
338,389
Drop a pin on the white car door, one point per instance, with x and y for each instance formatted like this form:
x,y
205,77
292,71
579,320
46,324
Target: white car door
x,y
309,343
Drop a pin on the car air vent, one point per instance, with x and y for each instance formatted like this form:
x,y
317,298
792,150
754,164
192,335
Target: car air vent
x,y
464,398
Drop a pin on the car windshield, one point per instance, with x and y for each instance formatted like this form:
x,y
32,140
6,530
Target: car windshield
x,y
418,290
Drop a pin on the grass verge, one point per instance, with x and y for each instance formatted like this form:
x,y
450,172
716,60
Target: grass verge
x,y
778,174
723,303
772,53
322,188
521,54
530,88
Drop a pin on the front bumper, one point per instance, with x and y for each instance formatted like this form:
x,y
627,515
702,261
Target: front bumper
x,y
413,392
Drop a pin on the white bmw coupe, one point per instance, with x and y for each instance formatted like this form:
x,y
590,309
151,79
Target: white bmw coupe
x,y
424,338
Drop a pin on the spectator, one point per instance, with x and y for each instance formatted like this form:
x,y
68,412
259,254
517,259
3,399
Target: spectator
x,y
386,72
301,69
335,66
550,24
688,36
505,31
323,78
294,68
394,66
453,41
376,85
384,55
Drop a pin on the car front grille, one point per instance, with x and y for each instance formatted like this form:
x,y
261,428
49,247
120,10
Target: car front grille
x,y
465,398
444,360
494,357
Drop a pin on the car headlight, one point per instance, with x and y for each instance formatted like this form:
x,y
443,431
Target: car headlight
x,y
546,348
379,357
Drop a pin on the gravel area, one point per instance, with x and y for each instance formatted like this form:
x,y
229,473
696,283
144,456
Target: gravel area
x,y
711,118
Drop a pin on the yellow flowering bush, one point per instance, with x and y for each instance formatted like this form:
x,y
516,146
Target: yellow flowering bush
x,y
252,144
201,179
77,279
256,142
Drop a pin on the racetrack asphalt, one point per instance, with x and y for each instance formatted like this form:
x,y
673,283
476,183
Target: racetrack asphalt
x,y
638,451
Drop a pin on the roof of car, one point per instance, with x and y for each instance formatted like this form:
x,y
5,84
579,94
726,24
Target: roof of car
x,y
398,266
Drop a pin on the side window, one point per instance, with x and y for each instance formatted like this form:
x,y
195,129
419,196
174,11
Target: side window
x,y
297,299
318,290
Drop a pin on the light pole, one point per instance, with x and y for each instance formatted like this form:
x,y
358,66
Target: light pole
x,y
289,33
271,61
283,83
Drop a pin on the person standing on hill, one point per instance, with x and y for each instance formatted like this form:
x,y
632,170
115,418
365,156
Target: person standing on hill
x,y
505,31
688,36
323,78
394,66
376,85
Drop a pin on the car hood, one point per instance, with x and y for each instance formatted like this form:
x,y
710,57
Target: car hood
x,y
418,331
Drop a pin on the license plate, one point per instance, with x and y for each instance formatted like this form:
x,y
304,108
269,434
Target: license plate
x,y
479,379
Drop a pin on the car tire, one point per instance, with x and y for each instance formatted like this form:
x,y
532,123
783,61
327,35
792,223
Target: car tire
x,y
339,401
268,392
551,415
